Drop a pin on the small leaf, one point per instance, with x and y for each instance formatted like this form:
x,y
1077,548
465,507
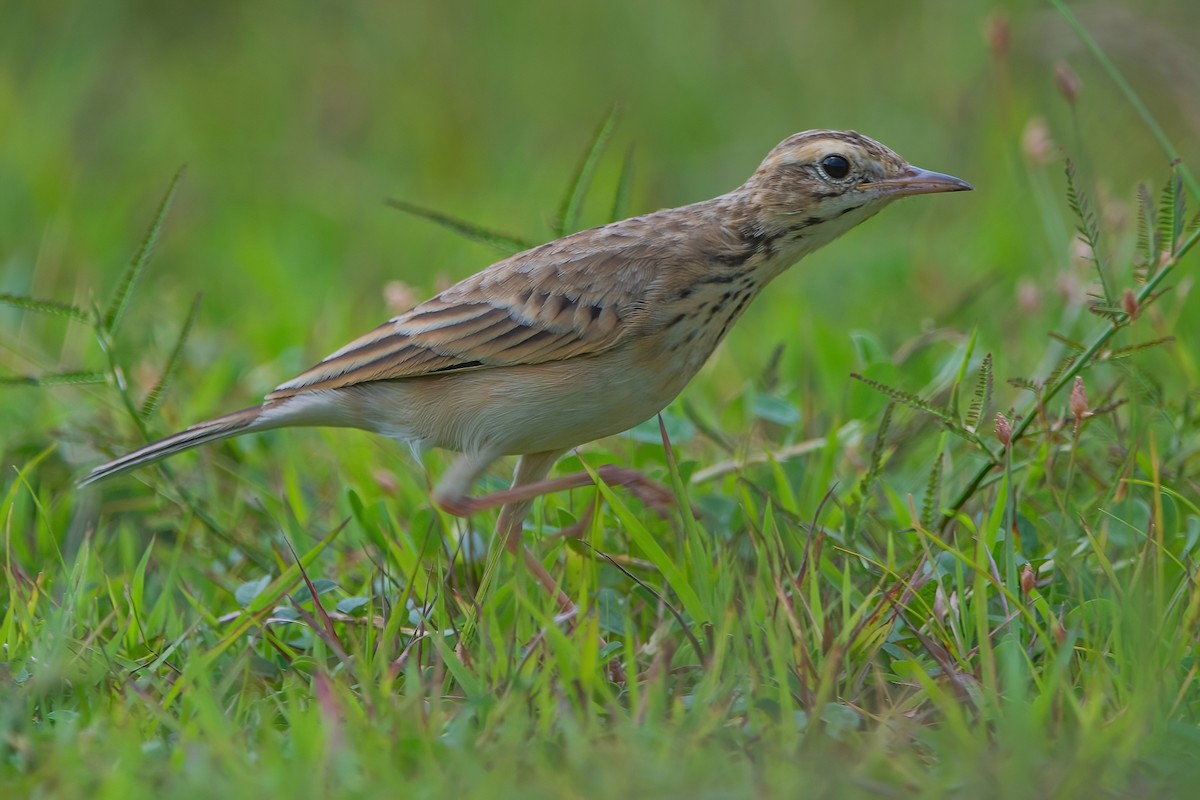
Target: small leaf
x,y
1147,228
775,409
249,590
679,429
610,610
1062,367
1088,228
1028,385
1170,214
321,585
1135,348
354,606
1071,343
840,721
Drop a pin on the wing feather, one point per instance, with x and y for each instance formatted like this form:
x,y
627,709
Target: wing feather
x,y
547,304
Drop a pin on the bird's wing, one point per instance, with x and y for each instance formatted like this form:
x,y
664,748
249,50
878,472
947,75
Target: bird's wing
x,y
564,299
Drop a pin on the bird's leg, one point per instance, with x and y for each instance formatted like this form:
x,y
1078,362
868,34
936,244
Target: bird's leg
x,y
528,484
451,493
531,469
530,473
451,496
649,492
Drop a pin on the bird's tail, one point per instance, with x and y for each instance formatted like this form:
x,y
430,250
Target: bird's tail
x,y
213,430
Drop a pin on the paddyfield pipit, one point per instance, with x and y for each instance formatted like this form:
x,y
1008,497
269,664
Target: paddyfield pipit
x,y
582,337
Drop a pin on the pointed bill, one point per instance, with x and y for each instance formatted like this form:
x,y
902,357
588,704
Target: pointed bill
x,y
921,181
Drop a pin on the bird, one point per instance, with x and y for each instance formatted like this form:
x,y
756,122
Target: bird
x,y
579,338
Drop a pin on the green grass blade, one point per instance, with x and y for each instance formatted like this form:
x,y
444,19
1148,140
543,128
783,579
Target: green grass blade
x,y
572,204
646,542
621,198
51,307
500,242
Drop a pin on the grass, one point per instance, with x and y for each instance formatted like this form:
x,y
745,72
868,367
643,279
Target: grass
x,y
865,590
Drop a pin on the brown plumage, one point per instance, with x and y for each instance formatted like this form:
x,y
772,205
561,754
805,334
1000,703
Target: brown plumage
x,y
581,337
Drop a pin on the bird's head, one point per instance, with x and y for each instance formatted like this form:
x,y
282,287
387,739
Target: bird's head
x,y
825,182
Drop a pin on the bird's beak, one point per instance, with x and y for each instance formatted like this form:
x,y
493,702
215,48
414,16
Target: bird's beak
x,y
915,180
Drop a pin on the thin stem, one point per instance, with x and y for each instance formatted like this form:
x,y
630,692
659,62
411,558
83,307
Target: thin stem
x,y
1144,297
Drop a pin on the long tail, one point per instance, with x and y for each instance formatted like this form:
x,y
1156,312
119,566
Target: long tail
x,y
213,430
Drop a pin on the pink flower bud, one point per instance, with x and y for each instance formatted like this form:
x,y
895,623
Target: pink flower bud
x,y
1003,431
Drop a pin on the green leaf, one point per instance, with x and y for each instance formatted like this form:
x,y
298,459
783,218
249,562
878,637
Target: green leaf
x,y
1088,227
354,606
1025,383
611,610
1123,352
249,590
679,429
1171,214
676,578
320,585
1147,227
775,409
840,721
1060,369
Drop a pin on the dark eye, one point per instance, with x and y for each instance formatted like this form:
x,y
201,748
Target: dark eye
x,y
836,167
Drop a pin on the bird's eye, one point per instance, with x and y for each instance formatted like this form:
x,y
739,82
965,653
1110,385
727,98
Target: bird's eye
x,y
836,167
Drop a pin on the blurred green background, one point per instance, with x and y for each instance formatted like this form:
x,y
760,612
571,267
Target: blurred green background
x,y
297,119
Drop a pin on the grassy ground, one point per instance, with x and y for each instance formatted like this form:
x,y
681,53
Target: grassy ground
x,y
875,597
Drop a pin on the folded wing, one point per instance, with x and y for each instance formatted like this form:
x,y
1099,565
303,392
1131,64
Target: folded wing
x,y
548,304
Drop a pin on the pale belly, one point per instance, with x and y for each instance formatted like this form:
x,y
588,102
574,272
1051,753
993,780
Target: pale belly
x,y
527,409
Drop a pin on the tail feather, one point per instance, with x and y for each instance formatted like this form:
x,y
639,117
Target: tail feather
x,y
213,430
